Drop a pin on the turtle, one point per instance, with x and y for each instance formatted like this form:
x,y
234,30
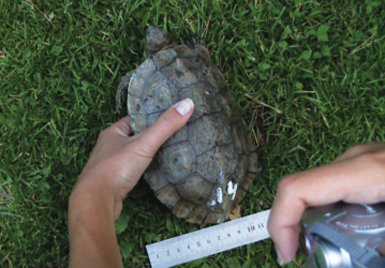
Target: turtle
x,y
206,168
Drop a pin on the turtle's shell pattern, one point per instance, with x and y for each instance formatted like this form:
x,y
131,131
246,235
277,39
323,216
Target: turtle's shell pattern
x,y
205,169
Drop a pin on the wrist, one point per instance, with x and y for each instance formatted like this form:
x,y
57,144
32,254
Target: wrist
x,y
91,227
93,194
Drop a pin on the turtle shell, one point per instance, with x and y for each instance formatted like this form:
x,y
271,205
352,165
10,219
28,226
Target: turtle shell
x,y
206,168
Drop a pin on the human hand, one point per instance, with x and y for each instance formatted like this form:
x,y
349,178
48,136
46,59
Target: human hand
x,y
357,176
114,167
119,158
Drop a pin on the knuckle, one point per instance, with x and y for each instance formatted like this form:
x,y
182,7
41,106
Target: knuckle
x,y
375,162
287,186
142,149
376,158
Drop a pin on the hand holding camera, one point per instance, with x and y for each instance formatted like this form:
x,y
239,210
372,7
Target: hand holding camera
x,y
357,176
344,235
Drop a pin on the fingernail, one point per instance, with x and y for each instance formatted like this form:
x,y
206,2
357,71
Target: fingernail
x,y
184,107
279,255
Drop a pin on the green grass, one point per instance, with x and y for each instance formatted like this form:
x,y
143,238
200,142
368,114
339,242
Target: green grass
x,y
321,63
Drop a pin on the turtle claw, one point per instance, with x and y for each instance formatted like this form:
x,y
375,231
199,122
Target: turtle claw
x,y
121,94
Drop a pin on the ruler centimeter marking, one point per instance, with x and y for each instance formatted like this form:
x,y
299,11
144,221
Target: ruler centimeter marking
x,y
209,241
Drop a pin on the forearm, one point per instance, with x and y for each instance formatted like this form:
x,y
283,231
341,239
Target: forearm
x,y
115,166
93,241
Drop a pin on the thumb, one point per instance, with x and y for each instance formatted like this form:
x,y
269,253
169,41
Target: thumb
x,y
165,126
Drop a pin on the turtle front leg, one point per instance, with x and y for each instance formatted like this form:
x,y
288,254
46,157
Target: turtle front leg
x,y
121,94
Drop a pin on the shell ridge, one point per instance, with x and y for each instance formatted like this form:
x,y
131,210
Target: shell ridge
x,y
195,208
153,62
214,147
195,152
243,188
204,115
171,81
184,199
175,143
129,93
145,84
192,85
188,201
248,153
204,219
203,177
157,112
167,65
188,57
161,188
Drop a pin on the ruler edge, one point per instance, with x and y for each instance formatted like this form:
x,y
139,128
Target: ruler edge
x,y
264,213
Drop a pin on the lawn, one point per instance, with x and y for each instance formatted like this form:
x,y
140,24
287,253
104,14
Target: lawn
x,y
308,78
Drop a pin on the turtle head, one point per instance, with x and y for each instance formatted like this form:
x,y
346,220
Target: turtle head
x,y
156,39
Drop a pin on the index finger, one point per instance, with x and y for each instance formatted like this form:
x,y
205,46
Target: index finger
x,y
360,149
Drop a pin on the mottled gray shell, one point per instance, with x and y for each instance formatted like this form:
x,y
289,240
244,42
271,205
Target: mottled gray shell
x,y
205,169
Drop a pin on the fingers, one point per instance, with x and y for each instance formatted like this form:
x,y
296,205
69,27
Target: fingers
x,y
165,126
360,149
121,127
295,193
324,185
358,179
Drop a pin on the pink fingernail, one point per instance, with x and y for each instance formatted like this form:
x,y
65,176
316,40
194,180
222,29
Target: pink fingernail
x,y
279,255
184,107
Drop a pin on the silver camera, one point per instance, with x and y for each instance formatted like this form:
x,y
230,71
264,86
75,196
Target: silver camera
x,y
344,235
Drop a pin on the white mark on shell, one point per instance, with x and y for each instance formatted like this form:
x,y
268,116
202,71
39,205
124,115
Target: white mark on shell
x,y
212,203
219,195
232,189
207,93
221,177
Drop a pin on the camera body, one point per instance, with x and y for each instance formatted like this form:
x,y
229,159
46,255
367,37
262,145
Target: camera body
x,y
351,230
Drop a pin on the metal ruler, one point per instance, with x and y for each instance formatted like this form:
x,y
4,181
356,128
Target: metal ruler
x,y
208,241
